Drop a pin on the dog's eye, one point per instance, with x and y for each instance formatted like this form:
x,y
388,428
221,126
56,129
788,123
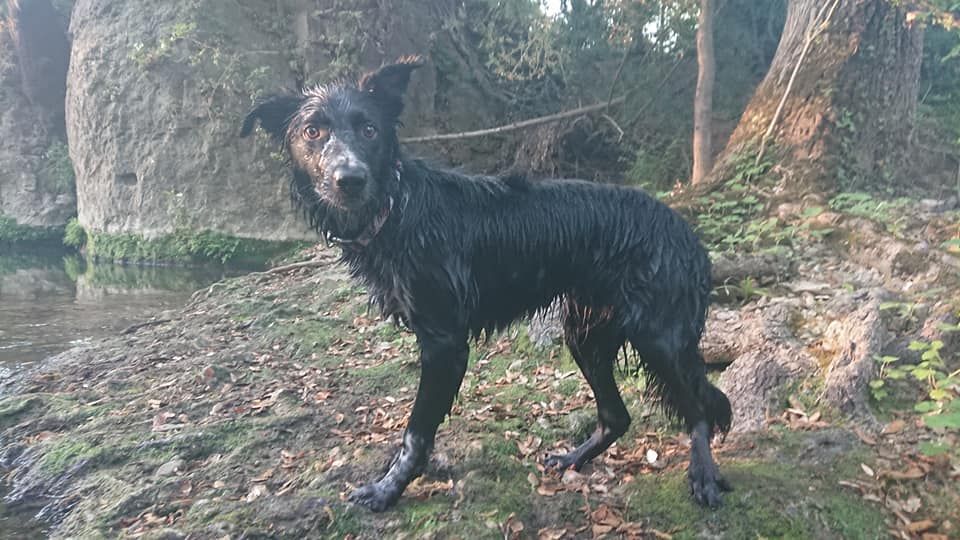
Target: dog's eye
x,y
313,133
369,131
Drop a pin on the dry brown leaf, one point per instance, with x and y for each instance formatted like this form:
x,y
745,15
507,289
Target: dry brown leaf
x,y
256,492
533,480
547,490
605,516
912,473
920,526
551,534
571,477
867,439
894,427
601,530
264,476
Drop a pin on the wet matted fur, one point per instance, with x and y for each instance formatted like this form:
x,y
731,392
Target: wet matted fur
x,y
454,256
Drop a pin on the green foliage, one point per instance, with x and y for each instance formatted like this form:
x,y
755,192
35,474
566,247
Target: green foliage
x,y
13,232
145,55
657,168
74,235
733,218
888,213
940,76
744,291
57,169
940,405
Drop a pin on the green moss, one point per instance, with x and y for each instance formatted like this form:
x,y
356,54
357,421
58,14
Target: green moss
x,y
769,501
12,232
387,377
65,452
185,246
12,409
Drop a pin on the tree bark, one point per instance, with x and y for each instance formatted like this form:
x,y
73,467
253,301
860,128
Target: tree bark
x,y
846,120
703,100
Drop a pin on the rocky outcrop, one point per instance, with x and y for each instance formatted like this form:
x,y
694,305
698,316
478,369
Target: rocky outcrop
x,y
155,97
36,179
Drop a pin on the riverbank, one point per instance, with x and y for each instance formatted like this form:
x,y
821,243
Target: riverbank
x,y
253,411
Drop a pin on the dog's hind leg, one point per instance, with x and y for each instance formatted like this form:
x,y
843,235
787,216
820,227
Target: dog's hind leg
x,y
680,375
595,351
443,362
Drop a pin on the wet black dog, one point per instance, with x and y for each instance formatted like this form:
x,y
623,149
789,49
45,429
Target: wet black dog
x,y
454,256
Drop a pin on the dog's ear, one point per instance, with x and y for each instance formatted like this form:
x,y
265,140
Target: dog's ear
x,y
389,83
274,114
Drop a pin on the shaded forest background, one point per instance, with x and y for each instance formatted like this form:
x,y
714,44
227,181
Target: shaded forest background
x,y
74,142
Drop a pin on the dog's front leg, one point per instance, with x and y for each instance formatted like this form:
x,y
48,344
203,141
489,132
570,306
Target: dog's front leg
x,y
443,362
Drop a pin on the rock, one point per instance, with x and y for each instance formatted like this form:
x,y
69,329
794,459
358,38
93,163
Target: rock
x,y
763,268
546,328
156,96
169,468
938,206
166,534
858,335
767,357
36,180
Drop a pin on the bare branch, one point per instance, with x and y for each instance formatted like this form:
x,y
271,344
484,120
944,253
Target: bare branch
x,y
516,125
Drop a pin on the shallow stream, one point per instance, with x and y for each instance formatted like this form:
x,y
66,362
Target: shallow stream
x,y
51,300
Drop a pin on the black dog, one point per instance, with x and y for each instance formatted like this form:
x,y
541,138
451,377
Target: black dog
x,y
454,256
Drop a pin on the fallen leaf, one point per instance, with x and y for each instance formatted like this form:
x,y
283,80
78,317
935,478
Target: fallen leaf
x,y
912,473
911,505
920,526
264,476
867,439
533,480
551,534
600,530
571,477
894,427
867,470
256,492
547,490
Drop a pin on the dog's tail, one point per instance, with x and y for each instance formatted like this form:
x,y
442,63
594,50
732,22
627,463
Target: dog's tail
x,y
719,413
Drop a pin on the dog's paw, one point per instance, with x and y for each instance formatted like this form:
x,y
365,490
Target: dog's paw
x,y
706,486
561,462
374,497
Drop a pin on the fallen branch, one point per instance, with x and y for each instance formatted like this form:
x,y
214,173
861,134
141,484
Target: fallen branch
x,y
516,125
296,266
134,327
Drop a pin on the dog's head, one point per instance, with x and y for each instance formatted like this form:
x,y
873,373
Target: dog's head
x,y
342,140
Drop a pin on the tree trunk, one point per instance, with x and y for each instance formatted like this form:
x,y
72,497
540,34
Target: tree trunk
x,y
703,101
847,116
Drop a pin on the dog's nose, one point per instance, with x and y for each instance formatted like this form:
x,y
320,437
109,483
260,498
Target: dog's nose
x,y
350,181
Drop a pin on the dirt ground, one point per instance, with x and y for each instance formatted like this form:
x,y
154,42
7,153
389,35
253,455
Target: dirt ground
x,y
252,412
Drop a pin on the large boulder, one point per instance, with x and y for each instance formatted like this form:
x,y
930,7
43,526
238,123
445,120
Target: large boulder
x,y
156,93
36,180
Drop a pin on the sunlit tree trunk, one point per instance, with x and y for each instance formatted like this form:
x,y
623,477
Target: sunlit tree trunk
x,y
846,119
703,101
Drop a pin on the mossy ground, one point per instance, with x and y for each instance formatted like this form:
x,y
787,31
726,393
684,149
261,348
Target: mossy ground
x,y
186,247
259,407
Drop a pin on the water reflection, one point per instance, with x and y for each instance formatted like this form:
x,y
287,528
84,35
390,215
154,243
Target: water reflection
x,y
51,300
